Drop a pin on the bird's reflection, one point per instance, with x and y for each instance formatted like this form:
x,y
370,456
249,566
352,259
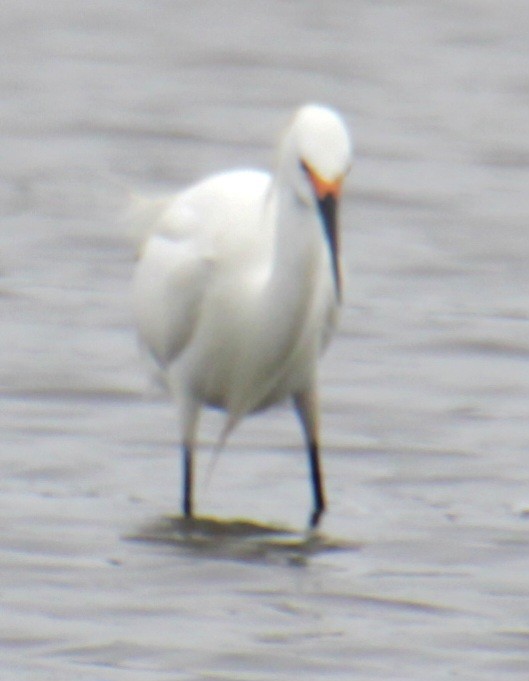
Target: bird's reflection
x,y
238,539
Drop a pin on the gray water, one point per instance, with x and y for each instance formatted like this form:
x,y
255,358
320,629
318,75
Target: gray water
x,y
420,571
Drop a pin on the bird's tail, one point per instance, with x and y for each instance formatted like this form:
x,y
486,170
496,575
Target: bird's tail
x,y
230,424
142,215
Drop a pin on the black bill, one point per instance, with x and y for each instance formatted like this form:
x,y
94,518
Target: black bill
x,y
328,211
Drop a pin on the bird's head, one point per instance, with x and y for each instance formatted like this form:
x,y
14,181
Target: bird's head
x,y
315,157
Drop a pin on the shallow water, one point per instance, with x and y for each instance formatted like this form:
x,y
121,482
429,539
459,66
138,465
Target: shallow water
x,y
420,568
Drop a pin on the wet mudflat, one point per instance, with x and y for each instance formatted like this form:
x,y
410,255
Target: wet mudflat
x,y
420,570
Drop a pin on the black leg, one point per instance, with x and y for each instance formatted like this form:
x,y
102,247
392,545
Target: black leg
x,y
188,480
317,484
306,407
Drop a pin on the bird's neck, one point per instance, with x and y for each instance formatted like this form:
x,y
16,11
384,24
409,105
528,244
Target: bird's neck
x,y
288,322
296,255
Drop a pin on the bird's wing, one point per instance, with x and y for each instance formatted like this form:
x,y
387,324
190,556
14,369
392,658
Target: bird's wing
x,y
171,277
213,227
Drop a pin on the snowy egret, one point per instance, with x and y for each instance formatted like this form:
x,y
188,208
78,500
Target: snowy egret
x,y
238,286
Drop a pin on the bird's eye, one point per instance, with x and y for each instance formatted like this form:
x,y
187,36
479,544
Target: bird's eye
x,y
304,166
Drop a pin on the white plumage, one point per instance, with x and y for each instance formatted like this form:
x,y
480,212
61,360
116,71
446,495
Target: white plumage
x,y
238,285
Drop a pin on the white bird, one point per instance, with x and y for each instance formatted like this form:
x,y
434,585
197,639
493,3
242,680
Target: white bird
x,y
238,286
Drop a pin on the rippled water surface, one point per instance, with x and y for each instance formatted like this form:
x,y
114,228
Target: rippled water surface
x,y
421,568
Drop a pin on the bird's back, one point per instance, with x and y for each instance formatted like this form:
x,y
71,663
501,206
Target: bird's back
x,y
198,245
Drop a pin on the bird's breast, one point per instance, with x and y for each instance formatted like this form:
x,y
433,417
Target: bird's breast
x,y
243,358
